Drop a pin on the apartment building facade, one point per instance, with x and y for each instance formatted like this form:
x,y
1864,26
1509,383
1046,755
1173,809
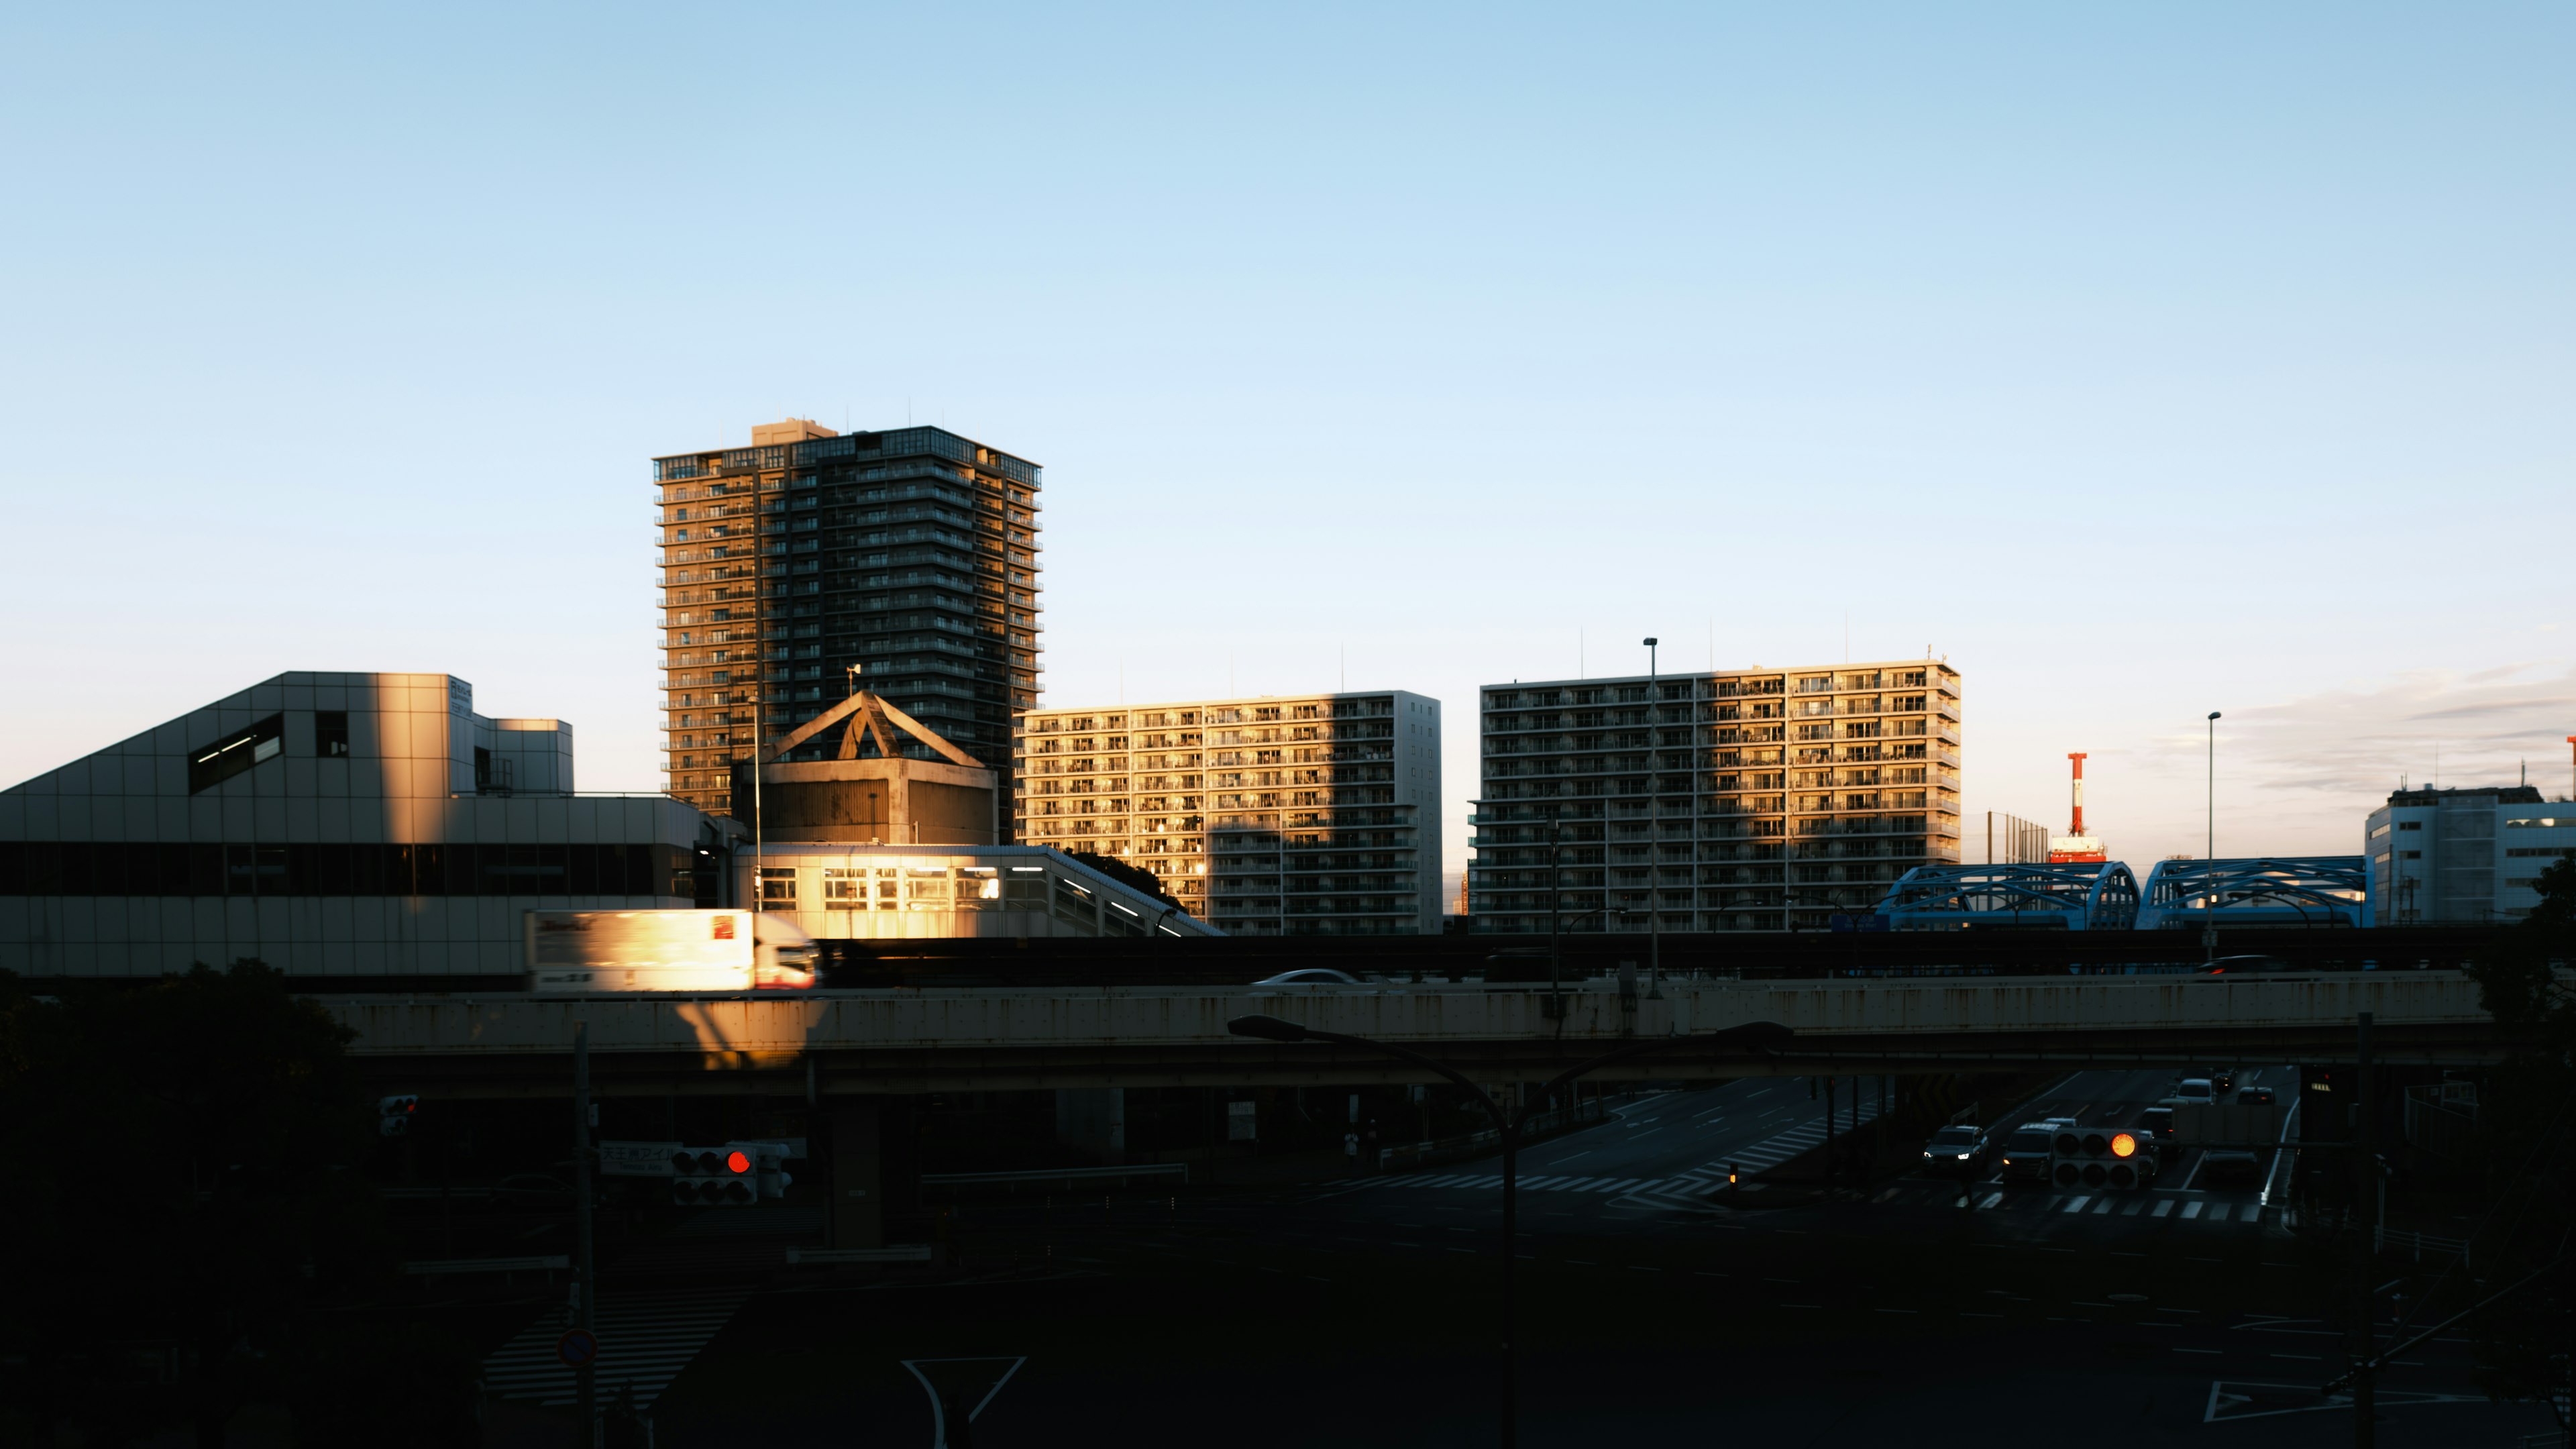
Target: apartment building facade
x,y
1744,800
910,554
1298,815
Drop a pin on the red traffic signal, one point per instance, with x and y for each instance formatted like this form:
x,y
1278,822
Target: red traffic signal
x,y
738,1162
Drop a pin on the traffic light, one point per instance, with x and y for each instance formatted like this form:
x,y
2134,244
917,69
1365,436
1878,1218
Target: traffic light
x,y
715,1177
2101,1157
394,1114
770,1160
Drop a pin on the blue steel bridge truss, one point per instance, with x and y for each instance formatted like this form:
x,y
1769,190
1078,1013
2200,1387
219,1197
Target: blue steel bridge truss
x,y
2272,890
2098,895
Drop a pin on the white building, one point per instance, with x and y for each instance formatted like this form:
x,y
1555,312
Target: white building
x,y
2464,855
330,825
1290,815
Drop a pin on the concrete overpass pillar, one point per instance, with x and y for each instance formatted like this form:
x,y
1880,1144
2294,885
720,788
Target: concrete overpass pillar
x,y
1093,1121
855,1133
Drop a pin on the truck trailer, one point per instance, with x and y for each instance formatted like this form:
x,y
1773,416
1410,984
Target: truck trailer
x,y
586,952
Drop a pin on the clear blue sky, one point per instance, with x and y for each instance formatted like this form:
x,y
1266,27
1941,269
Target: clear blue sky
x,y
2142,361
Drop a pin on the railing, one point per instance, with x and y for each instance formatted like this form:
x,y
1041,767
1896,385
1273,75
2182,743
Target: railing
x,y
1044,1176
550,1263
1473,1144
2384,1238
899,1253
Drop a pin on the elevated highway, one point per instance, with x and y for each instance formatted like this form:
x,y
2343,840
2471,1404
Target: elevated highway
x,y
894,1041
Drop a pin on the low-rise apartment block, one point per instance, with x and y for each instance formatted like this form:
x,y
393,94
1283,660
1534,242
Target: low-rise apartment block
x,y
1296,815
1746,800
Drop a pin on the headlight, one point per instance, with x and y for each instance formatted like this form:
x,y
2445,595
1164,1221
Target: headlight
x,y
1963,1157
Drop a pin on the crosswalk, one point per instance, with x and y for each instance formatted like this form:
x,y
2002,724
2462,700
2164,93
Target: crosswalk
x,y
645,1340
1983,1198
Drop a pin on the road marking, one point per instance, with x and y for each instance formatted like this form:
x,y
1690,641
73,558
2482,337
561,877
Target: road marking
x,y
2135,1208
2077,1205
2191,1210
2164,1207
645,1339
1991,1199
2104,1206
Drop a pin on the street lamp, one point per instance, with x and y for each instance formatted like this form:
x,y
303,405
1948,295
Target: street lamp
x,y
1753,1035
2209,861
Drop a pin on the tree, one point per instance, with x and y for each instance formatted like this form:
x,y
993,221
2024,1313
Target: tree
x,y
1128,875
189,1153
2528,1134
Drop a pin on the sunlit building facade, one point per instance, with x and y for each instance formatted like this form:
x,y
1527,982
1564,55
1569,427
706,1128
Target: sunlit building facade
x,y
1748,800
911,555
1298,815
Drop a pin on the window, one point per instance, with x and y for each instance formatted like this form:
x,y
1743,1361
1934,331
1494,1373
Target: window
x,y
845,890
2410,824
331,734
778,886
235,753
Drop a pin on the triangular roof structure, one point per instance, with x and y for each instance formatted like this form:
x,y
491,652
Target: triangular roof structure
x,y
870,718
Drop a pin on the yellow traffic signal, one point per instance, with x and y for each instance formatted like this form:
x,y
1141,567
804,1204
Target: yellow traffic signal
x,y
2123,1145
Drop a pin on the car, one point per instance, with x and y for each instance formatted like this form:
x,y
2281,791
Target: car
x,y
2230,1167
1310,976
2190,1092
2157,1125
2026,1151
1957,1148
532,1192
2244,966
2223,1080
2254,1097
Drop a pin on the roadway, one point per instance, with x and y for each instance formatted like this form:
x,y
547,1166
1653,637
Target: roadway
x,y
1922,1310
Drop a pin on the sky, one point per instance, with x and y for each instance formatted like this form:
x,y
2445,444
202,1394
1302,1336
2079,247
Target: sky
x,y
2140,361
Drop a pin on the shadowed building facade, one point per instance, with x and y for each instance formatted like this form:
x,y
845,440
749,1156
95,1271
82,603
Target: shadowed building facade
x,y
1745,800
910,555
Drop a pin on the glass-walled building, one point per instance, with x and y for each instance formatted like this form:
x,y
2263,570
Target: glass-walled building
x,y
910,554
1748,800
1299,815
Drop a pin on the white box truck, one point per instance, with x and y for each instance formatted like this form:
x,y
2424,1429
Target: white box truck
x,y
596,951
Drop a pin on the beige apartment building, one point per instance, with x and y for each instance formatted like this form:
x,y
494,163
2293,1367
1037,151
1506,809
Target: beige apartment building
x,y
1297,815
1744,800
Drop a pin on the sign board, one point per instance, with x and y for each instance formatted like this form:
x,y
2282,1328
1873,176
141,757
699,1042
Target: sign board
x,y
577,1347
1238,1122
637,1159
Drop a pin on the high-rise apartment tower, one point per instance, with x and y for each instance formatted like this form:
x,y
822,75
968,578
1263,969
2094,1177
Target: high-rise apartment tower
x,y
911,555
1749,800
1297,815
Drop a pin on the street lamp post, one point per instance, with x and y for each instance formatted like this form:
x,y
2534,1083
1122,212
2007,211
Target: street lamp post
x,y
2209,861
1755,1035
1654,824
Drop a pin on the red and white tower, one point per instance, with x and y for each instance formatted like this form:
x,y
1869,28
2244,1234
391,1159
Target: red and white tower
x,y
2076,846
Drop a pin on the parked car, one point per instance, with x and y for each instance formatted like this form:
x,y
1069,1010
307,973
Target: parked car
x,y
1956,1149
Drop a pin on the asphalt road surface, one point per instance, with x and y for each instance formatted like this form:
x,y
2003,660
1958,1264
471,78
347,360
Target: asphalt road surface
x,y
1925,1311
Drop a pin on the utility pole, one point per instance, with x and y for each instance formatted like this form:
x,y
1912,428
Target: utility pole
x,y
585,1281
2365,1301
